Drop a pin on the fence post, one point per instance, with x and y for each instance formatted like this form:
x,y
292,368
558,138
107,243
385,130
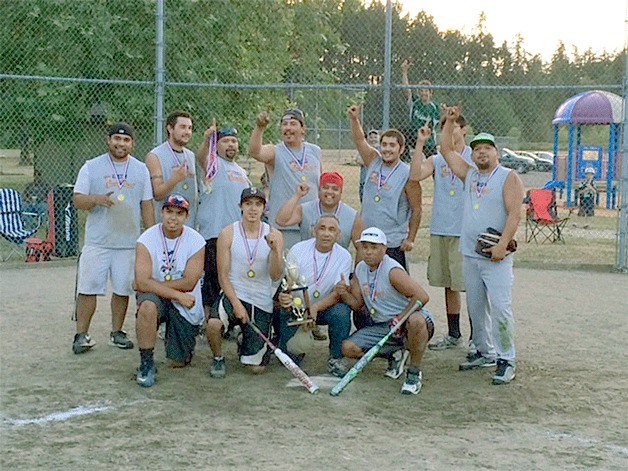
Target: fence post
x,y
160,71
387,54
623,183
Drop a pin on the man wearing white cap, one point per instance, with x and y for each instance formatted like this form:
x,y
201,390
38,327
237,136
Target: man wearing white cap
x,y
385,288
492,203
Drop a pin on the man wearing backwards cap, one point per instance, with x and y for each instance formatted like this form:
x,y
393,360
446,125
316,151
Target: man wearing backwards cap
x,y
385,288
391,201
168,268
171,165
250,258
115,189
493,198
223,181
289,163
328,203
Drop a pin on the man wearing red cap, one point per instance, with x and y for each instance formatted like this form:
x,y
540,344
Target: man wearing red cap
x,y
327,204
290,163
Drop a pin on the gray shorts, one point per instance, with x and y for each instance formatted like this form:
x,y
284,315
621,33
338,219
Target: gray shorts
x,y
368,336
252,348
180,334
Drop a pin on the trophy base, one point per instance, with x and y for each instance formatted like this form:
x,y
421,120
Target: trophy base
x,y
300,322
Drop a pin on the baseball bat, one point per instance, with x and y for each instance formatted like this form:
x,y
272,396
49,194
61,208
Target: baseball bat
x,y
76,279
287,362
373,351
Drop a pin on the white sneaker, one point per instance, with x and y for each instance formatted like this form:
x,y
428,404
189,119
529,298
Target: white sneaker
x,y
505,372
446,342
472,349
412,384
397,363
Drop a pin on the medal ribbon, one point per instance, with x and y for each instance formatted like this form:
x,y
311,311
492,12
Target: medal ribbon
x,y
318,278
212,158
175,157
119,182
300,162
251,256
320,209
381,182
170,259
478,188
373,285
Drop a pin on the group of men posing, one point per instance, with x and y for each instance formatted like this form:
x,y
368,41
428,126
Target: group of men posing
x,y
208,256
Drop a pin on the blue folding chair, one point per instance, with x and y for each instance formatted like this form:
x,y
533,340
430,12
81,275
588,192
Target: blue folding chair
x,y
16,225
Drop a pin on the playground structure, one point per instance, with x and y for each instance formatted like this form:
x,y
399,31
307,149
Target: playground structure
x,y
591,108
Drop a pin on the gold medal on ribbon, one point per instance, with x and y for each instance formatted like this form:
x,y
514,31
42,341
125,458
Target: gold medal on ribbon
x,y
185,186
303,178
120,197
377,198
452,192
168,277
372,311
476,206
250,274
317,294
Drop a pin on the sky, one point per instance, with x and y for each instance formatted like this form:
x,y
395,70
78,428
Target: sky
x,y
597,25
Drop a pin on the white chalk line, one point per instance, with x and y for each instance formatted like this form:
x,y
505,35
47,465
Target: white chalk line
x,y
86,409
588,442
320,381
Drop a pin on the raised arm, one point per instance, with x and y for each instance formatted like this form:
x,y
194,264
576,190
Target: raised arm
x,y
274,239
455,161
367,152
405,66
421,168
291,213
261,153
203,150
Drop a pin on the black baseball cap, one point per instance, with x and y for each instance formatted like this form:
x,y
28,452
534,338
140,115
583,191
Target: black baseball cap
x,y
252,192
294,113
122,128
227,132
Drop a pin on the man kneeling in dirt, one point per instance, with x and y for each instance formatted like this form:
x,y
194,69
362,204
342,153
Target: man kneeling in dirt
x,y
169,264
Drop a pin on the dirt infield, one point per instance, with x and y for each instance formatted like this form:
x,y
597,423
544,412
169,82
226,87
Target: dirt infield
x,y
566,409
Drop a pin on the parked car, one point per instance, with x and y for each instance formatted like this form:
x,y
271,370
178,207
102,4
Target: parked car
x,y
543,164
520,163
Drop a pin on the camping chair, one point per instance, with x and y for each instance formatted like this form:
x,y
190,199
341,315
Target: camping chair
x,y
13,227
542,222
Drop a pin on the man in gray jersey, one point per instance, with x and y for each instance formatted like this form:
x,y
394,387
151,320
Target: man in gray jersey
x,y
223,181
171,165
385,288
289,163
391,201
444,266
493,196
115,190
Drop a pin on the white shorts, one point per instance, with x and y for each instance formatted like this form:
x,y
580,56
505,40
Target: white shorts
x,y
98,263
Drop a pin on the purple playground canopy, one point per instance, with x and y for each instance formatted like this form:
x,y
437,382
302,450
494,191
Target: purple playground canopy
x,y
593,107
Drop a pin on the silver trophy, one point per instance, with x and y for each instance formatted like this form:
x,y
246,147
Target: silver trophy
x,y
293,281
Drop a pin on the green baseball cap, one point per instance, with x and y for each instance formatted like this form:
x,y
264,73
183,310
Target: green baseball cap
x,y
483,138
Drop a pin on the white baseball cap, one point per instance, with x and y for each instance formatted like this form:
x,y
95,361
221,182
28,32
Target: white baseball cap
x,y
589,170
373,235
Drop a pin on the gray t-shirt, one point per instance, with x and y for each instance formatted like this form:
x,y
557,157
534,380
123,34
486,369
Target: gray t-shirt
x,y
169,160
220,198
448,205
290,169
385,204
483,206
312,210
118,226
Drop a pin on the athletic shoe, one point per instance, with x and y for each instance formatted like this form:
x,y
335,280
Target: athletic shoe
x,y
218,369
82,343
445,343
119,339
412,384
337,367
472,349
396,363
505,372
318,333
477,361
146,375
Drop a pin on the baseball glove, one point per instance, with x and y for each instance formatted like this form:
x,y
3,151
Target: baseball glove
x,y
489,239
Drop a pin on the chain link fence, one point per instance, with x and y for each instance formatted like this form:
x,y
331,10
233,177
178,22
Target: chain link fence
x,y
69,69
